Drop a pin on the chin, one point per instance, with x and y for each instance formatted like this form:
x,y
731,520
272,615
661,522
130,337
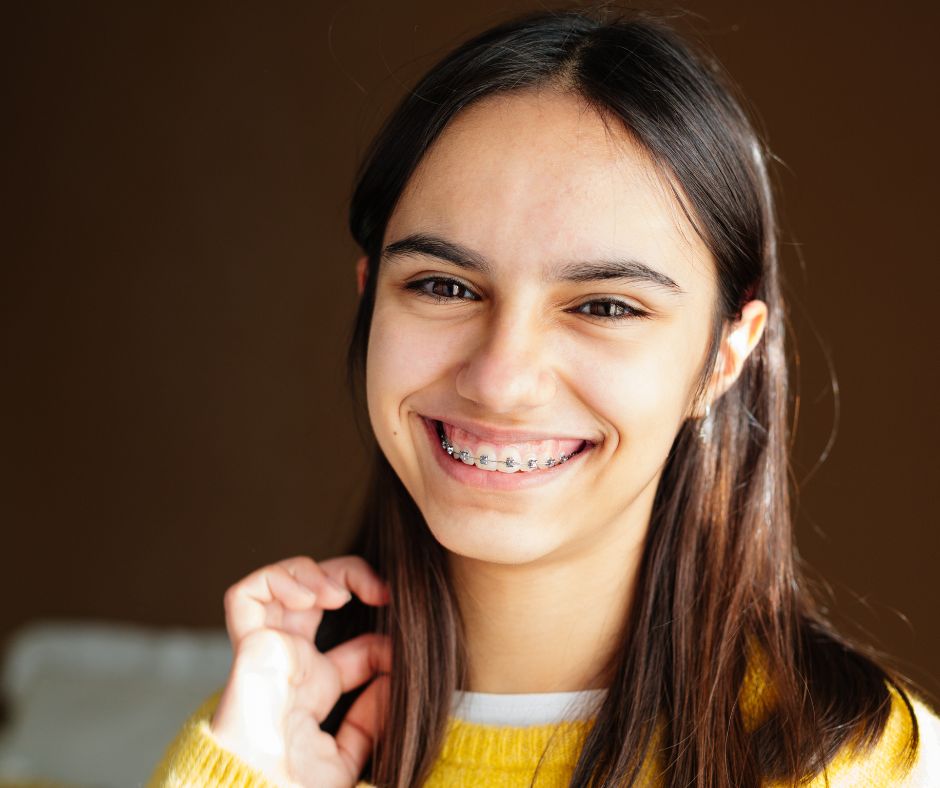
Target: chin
x,y
490,536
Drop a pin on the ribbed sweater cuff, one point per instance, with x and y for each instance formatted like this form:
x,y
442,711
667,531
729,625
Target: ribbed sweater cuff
x,y
201,760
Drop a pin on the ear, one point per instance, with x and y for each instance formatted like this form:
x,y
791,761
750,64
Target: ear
x,y
362,271
736,345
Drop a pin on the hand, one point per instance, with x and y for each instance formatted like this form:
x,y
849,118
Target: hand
x,y
281,687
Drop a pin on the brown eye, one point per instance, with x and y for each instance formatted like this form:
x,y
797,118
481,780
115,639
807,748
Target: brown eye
x,y
446,289
606,308
611,309
441,289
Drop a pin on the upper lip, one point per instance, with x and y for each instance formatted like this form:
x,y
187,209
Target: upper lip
x,y
497,435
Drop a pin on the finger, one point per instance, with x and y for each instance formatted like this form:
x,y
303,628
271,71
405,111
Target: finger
x,y
303,623
263,598
360,658
363,724
322,677
311,574
356,574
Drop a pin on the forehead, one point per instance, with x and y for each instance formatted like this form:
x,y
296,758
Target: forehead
x,y
532,178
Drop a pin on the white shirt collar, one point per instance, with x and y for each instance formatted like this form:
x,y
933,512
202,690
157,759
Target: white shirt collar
x,y
522,709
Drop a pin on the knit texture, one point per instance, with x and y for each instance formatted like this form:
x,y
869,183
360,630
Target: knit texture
x,y
506,757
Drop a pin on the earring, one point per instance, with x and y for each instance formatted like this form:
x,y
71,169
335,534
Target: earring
x,y
705,428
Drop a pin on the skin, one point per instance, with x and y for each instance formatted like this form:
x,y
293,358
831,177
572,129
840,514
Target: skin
x,y
281,688
530,180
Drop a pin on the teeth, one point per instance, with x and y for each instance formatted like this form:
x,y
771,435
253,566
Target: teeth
x,y
512,460
548,456
509,459
487,458
456,452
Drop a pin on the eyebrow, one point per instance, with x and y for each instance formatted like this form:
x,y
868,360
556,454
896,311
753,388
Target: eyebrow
x,y
624,270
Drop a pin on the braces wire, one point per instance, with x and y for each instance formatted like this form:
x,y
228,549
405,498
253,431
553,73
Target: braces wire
x,y
509,462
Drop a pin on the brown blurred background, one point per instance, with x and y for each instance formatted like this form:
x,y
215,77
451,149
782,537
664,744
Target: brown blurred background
x,y
177,289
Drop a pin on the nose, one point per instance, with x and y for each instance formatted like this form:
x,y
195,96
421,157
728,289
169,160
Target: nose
x,y
508,370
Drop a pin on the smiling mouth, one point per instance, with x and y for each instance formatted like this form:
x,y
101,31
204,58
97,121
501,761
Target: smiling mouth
x,y
512,460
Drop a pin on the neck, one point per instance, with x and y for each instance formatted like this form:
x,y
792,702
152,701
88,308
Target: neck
x,y
555,624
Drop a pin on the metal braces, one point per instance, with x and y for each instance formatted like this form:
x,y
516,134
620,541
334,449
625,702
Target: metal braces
x,y
484,459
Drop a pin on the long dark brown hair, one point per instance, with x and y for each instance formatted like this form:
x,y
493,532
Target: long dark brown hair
x,y
719,580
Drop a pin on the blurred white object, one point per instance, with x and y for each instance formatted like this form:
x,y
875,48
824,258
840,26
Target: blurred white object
x,y
96,703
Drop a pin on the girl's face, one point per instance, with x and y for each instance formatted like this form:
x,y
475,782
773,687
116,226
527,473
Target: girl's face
x,y
538,282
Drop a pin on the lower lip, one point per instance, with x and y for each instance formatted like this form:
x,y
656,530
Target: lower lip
x,y
472,476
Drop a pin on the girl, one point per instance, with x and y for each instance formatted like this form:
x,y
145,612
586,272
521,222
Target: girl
x,y
570,341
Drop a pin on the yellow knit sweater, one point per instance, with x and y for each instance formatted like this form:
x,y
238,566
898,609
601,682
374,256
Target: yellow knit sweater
x,y
474,754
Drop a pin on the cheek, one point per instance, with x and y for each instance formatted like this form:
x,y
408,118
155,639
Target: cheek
x,y
641,389
401,360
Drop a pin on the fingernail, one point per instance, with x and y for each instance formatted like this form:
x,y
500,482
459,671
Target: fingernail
x,y
344,591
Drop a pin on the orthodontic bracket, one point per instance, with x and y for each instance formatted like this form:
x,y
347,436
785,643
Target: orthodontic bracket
x,y
509,462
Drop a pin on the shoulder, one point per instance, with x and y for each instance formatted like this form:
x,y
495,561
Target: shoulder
x,y
892,760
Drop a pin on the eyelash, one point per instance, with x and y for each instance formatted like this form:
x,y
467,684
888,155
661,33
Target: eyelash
x,y
629,311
